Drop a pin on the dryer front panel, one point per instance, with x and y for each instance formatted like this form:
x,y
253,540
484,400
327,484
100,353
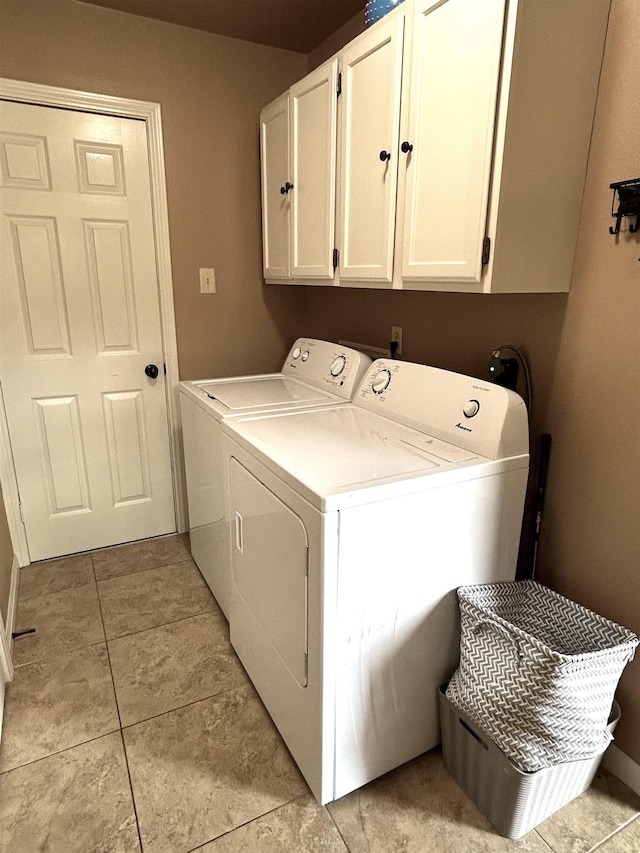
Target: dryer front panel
x,y
269,564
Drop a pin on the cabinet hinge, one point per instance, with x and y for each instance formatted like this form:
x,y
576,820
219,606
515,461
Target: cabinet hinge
x,y
336,258
21,512
339,88
486,250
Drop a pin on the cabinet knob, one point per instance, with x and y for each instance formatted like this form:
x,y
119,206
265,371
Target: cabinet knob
x,y
283,190
385,155
406,148
288,186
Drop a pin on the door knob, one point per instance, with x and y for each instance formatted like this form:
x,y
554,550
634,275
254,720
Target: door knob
x,y
406,148
152,371
385,155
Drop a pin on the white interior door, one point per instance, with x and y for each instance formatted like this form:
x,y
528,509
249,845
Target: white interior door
x,y
455,63
313,168
274,163
79,322
371,82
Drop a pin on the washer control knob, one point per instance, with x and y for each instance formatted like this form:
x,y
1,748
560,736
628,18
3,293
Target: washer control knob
x,y
305,355
296,352
381,381
471,408
338,365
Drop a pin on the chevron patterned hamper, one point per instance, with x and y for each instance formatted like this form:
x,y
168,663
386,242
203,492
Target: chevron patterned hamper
x,y
537,672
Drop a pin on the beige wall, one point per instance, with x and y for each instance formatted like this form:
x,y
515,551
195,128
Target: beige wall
x,y
6,561
590,550
211,90
337,40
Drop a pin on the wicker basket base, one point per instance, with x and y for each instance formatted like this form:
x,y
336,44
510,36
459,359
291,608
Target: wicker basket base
x,y
512,800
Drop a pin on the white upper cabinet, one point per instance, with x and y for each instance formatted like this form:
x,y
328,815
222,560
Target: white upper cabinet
x,y
274,157
298,157
463,140
447,138
370,121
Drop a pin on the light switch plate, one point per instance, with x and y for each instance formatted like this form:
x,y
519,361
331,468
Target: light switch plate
x,y
207,281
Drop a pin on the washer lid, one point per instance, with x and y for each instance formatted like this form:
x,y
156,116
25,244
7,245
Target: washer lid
x,y
265,392
333,455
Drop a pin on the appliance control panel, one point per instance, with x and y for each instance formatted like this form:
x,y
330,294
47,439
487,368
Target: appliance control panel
x,y
472,414
326,365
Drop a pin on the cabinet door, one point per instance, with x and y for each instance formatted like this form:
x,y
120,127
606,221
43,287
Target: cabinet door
x,y
274,163
371,80
313,103
455,62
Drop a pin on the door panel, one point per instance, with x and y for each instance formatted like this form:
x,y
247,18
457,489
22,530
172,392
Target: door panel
x,y
36,256
80,319
108,249
313,159
454,79
269,566
274,154
371,80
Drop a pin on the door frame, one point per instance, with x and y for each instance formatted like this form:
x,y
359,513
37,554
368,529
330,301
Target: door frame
x,y
53,96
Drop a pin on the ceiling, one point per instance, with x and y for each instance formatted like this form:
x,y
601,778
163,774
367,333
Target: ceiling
x,y
299,25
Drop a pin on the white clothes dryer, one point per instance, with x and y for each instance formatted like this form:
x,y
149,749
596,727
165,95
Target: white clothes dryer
x,y
352,527
314,374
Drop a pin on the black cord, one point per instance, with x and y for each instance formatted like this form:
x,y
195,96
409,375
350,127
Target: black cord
x,y
525,370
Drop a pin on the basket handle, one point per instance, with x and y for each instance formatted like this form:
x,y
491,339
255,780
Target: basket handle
x,y
503,630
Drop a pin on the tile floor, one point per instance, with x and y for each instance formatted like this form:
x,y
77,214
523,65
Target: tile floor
x,y
130,724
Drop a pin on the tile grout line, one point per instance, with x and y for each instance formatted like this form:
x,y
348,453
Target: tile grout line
x,y
544,840
614,833
153,627
339,831
59,752
188,705
246,823
147,569
115,697
60,654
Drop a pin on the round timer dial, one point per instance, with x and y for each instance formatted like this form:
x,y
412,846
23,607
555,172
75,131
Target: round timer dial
x,y
338,365
381,381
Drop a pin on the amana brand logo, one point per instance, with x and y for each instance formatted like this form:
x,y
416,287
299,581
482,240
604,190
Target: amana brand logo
x,y
466,429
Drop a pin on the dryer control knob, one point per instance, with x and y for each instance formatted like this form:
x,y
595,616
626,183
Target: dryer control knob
x,y
338,365
296,352
471,408
381,381
305,355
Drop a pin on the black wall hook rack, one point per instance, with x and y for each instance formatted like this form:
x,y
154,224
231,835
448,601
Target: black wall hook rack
x,y
628,194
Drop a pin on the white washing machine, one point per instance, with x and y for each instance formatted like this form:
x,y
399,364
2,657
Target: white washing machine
x,y
351,529
314,374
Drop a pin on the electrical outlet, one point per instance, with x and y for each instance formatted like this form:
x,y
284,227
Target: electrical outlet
x,y
396,335
207,281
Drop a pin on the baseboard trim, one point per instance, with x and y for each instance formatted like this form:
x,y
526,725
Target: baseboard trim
x,y
625,768
13,603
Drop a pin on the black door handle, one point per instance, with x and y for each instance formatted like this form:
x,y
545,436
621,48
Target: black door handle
x,y
385,155
152,371
406,148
